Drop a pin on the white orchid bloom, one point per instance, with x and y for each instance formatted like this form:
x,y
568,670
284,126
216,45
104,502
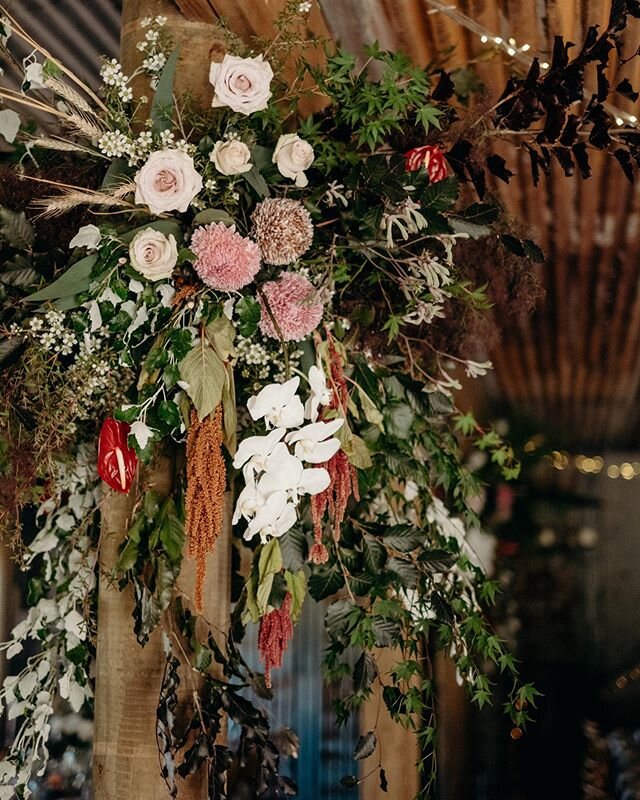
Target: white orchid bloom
x,y
253,452
279,404
249,502
320,393
274,518
312,443
287,473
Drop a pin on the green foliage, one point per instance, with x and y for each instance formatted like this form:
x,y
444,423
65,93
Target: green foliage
x,y
149,558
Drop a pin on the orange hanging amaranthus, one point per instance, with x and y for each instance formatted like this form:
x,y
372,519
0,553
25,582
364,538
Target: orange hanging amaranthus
x,y
344,478
206,483
276,630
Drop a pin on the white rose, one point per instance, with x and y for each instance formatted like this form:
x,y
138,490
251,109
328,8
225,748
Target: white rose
x,y
231,158
167,181
153,254
87,236
242,84
293,155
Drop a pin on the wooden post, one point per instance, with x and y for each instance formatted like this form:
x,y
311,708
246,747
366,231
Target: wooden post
x,y
126,762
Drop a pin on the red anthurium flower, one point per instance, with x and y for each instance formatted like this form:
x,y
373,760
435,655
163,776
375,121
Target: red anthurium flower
x,y
429,156
117,462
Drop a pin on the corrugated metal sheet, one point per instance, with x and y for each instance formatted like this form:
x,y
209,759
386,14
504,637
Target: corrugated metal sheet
x,y
76,31
302,702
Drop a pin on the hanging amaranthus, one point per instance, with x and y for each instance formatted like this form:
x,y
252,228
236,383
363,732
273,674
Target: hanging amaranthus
x,y
344,478
276,630
206,483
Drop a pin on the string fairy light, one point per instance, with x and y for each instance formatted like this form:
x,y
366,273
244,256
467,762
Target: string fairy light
x,y
515,51
586,465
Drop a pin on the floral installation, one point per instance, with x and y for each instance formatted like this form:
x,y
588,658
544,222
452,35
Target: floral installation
x,y
278,299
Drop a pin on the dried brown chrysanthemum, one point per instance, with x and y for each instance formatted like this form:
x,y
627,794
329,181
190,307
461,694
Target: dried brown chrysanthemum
x,y
206,482
283,230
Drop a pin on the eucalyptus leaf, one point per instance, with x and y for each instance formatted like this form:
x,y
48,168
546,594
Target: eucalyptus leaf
x,y
209,215
162,106
75,280
256,181
9,124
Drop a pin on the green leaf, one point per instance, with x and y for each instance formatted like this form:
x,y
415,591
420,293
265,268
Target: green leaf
x,y
365,746
202,369
269,564
440,196
166,226
256,182
325,581
436,561
472,230
297,586
15,228
221,334
427,116
116,173
375,555
229,411
75,280
405,570
404,538
293,546
162,107
399,418
209,215
364,672
169,413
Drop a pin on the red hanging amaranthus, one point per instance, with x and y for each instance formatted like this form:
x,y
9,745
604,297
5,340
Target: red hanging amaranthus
x,y
276,630
344,478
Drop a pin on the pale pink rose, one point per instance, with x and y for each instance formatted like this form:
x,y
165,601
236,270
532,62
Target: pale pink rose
x,y
167,181
293,156
242,84
153,255
231,158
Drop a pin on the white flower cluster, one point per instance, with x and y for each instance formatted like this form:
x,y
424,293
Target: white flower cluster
x,y
114,144
155,47
49,330
259,363
168,141
112,75
406,218
57,623
90,377
276,478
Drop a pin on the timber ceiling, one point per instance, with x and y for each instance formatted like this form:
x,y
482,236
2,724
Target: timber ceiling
x,y
575,364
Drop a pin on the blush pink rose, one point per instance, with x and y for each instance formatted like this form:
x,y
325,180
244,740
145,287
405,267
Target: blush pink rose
x,y
242,84
167,181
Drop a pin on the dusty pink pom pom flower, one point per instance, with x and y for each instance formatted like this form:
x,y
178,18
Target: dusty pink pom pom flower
x,y
293,303
225,260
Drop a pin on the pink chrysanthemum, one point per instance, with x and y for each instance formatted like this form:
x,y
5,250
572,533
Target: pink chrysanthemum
x,y
225,260
293,303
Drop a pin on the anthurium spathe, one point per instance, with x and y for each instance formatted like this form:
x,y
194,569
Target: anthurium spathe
x,y
117,462
312,443
279,404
